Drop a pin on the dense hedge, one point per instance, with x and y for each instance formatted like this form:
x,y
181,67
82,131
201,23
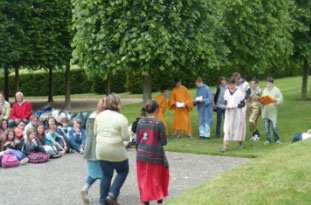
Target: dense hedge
x,y
134,81
37,83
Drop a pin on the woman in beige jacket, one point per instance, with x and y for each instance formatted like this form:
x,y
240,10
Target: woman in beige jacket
x,y
111,130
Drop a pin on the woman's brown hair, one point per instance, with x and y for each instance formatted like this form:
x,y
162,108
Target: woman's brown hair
x,y
112,102
7,135
100,106
150,107
29,131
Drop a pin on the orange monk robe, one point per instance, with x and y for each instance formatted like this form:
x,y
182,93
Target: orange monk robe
x,y
161,114
181,118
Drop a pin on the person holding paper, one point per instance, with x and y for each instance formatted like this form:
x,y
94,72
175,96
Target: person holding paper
x,y
270,111
234,127
254,108
204,101
181,101
161,99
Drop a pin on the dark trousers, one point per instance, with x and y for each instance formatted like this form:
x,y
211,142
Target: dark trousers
x,y
297,137
220,115
122,169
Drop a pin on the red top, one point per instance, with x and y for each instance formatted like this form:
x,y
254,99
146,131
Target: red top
x,y
21,112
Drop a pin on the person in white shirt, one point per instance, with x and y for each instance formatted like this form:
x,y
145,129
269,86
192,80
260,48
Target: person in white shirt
x,y
302,136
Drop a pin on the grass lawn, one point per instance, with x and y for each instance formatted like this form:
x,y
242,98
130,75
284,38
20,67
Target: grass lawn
x,y
294,116
281,177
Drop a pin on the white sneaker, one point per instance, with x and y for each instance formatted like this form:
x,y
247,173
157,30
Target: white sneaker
x,y
84,195
24,161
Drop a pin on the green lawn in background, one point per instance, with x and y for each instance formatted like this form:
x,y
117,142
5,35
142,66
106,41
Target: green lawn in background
x,y
294,116
280,177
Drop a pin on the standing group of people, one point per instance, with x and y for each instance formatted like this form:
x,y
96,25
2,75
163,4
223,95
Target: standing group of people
x,y
232,101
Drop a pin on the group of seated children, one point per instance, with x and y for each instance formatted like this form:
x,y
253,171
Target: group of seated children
x,y
39,137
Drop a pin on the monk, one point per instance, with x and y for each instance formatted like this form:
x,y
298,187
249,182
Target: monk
x,y
161,99
181,101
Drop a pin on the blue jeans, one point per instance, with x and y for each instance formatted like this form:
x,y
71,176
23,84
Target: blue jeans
x,y
90,181
220,114
73,144
205,130
297,137
13,124
108,168
274,128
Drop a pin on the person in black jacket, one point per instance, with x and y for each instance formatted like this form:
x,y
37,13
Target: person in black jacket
x,y
219,103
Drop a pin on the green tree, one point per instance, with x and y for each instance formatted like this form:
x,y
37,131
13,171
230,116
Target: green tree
x,y
14,42
146,36
259,32
50,34
302,41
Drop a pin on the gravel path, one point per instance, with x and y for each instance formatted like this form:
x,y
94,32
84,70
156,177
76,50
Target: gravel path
x,y
59,181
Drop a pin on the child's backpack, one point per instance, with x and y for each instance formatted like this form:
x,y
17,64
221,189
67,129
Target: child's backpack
x,y
51,151
38,157
9,160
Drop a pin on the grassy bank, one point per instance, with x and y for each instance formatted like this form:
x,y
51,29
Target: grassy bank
x,y
280,177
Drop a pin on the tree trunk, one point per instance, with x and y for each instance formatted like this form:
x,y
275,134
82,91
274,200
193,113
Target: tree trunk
x,y
147,89
305,75
50,85
67,87
243,71
16,79
6,83
108,91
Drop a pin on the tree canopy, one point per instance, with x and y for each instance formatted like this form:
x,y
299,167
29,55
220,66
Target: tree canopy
x,y
138,35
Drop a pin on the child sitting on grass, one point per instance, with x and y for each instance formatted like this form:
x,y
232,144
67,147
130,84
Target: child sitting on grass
x,y
33,143
52,138
302,136
77,136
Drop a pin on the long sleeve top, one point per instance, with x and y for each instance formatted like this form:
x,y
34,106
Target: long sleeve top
x,y
270,111
151,139
205,108
111,130
5,109
79,138
21,111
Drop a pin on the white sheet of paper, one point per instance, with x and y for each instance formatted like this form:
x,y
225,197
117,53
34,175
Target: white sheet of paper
x,y
180,104
199,98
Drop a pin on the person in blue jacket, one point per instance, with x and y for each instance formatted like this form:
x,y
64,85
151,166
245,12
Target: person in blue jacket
x,y
204,102
77,136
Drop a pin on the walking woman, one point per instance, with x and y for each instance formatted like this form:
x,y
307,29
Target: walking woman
x,y
152,165
94,170
111,130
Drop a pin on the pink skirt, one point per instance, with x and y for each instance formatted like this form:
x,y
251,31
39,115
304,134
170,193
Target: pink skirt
x,y
153,180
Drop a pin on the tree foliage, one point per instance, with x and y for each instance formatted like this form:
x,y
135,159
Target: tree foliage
x,y
139,35
259,31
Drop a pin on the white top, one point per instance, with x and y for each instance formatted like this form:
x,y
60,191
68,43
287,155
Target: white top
x,y
233,100
111,130
306,135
